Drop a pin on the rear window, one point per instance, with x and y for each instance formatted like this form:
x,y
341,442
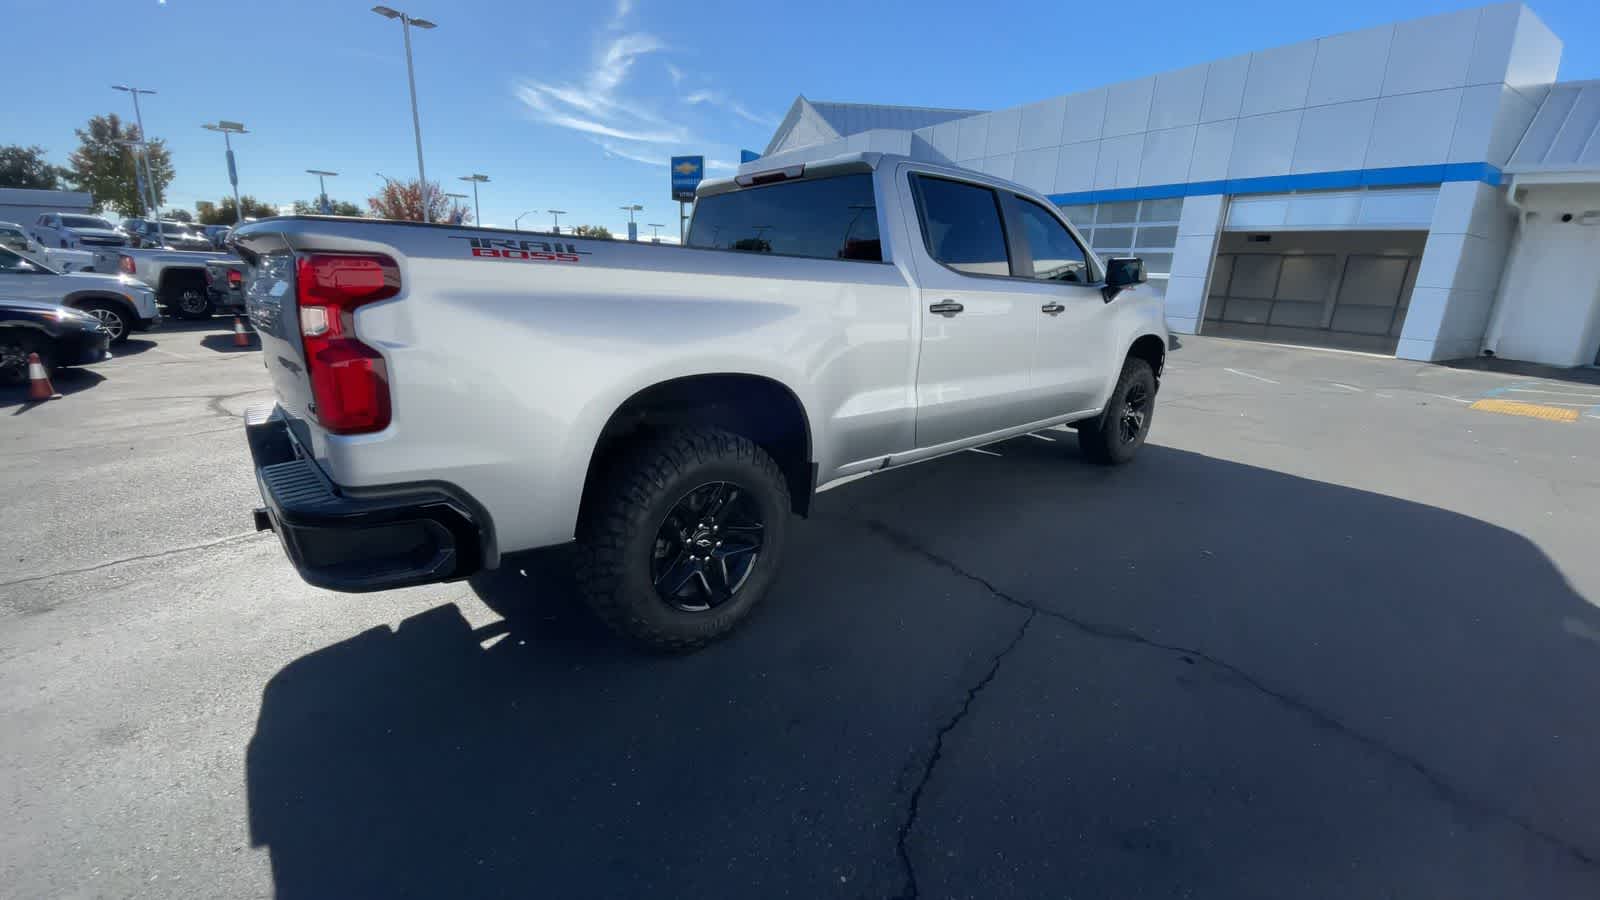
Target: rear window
x,y
961,226
823,218
85,222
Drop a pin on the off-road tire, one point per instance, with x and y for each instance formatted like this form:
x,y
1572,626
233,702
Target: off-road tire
x,y
1102,439
624,510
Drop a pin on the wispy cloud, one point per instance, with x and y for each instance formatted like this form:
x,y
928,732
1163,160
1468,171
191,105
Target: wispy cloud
x,y
594,107
645,156
721,99
675,73
619,17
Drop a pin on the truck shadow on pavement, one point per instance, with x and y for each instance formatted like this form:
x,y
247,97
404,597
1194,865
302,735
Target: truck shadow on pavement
x,y
1012,676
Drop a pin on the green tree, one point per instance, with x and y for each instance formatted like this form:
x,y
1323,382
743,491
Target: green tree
x,y
221,212
592,231
25,167
178,215
335,208
104,166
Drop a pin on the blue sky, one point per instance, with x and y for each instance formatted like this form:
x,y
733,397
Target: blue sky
x,y
577,105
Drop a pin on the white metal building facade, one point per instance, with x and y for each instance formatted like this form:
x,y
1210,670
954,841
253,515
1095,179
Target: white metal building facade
x,y
1380,189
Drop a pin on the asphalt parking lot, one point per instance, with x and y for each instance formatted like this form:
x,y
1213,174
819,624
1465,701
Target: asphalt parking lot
x,y
1333,634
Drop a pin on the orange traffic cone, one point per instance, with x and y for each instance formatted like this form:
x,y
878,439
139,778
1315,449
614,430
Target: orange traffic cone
x,y
39,386
241,338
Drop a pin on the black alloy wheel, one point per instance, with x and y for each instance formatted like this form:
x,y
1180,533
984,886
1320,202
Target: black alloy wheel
x,y
1135,408
707,547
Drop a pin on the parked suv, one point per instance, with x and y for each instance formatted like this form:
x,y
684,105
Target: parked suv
x,y
76,231
122,304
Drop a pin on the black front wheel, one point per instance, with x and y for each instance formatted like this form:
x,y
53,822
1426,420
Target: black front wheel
x,y
683,537
192,303
1116,434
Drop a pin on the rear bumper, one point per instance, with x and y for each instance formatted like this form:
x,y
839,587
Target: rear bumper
x,y
373,540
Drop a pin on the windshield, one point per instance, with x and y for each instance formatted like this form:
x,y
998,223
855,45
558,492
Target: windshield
x,y
85,222
17,263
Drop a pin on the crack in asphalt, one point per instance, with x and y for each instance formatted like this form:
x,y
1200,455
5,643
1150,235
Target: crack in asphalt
x,y
914,807
1443,788
243,535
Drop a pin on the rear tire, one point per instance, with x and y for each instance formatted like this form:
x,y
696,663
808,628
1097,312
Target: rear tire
x,y
191,302
1113,437
682,537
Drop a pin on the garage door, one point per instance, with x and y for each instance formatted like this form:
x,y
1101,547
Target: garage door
x,y
1331,290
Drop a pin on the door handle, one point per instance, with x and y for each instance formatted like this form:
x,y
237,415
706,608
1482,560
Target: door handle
x,y
1052,308
946,308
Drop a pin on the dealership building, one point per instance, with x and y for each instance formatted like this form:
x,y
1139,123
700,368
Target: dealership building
x,y
1425,188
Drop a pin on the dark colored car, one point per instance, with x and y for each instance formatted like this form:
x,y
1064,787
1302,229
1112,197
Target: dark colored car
x,y
61,337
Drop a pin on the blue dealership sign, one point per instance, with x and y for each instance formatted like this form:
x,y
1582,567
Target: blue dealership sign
x,y
687,171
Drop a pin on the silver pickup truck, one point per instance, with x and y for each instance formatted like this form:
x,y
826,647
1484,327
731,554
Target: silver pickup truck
x,y
177,276
447,395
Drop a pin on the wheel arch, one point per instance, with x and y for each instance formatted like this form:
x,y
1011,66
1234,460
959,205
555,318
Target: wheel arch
x,y
1151,348
78,298
758,407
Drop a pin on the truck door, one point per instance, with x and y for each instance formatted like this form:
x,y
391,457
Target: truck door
x,y
1073,348
977,332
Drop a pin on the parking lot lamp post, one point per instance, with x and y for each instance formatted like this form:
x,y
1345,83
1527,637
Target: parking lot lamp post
x,y
556,215
633,230
137,148
452,205
655,231
406,24
322,188
149,173
476,179
230,128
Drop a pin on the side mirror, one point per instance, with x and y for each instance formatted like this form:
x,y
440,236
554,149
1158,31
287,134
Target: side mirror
x,y
1125,271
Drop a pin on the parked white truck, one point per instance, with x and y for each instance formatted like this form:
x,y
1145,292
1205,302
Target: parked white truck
x,y
447,395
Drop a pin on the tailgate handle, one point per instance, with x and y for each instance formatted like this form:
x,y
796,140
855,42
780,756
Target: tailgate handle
x,y
946,308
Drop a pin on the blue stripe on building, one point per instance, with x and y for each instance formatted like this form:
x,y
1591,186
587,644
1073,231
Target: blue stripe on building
x,y
1394,176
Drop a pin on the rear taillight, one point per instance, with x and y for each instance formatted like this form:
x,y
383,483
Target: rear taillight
x,y
235,278
125,264
349,381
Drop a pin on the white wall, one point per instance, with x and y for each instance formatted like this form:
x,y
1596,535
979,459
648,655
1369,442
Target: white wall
x,y
1459,87
1459,277
1549,306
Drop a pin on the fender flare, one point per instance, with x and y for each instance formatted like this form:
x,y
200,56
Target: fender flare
x,y
78,298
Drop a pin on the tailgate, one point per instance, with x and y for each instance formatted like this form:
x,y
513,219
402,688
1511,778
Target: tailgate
x,y
269,295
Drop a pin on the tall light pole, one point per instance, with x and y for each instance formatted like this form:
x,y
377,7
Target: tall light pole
x,y
556,215
322,188
516,224
655,232
455,197
476,179
633,230
406,24
149,173
230,128
137,148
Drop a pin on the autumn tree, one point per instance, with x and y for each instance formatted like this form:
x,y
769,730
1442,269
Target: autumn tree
x,y
592,231
25,167
222,213
104,165
403,200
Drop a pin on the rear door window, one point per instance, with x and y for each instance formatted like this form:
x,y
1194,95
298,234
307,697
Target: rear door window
x,y
961,226
821,218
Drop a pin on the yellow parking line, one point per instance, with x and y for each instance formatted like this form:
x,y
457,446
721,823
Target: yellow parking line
x,y
1531,410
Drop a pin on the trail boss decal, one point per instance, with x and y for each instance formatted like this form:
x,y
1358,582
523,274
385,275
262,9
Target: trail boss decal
x,y
533,251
